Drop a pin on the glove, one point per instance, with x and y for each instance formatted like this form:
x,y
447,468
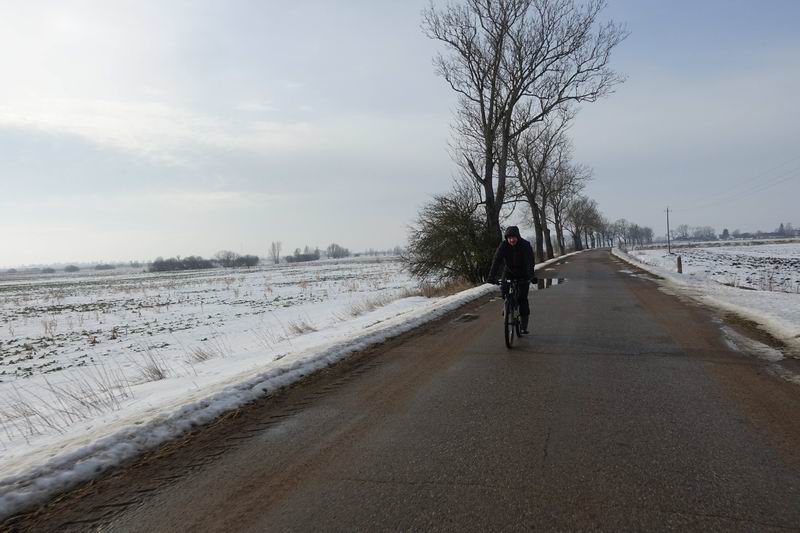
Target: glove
x,y
534,279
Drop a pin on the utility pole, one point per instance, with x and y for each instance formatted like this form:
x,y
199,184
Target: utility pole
x,y
669,244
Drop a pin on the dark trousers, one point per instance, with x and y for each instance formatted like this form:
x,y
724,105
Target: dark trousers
x,y
523,286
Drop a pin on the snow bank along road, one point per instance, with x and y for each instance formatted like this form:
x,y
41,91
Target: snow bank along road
x,y
626,409
759,283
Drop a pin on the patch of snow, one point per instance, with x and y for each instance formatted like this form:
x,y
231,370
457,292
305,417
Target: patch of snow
x,y
776,312
739,342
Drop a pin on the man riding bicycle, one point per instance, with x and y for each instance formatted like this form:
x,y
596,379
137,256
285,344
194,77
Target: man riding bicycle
x,y
516,254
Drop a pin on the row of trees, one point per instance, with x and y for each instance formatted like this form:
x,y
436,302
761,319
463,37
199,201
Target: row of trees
x,y
224,258
684,232
518,68
229,259
302,256
172,264
784,230
333,251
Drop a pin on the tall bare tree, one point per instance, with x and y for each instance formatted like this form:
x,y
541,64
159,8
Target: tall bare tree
x,y
510,55
275,252
537,154
568,182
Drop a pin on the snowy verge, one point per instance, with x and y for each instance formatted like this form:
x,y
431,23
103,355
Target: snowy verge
x,y
776,313
85,462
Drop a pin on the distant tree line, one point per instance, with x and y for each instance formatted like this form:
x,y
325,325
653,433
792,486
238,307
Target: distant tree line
x,y
224,258
307,254
171,264
334,251
784,230
625,234
229,259
397,251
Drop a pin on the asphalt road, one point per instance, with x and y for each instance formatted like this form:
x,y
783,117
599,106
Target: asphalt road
x,y
625,409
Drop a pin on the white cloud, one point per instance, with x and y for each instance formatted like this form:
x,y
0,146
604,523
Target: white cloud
x,y
127,202
257,106
154,130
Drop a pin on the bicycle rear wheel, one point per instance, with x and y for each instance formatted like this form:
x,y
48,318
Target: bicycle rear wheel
x,y
509,324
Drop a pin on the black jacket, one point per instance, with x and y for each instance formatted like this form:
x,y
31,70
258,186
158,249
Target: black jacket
x,y
518,261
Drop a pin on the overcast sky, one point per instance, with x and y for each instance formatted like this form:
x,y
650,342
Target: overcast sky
x,y
130,130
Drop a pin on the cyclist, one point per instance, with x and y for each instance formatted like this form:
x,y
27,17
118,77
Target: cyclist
x,y
516,254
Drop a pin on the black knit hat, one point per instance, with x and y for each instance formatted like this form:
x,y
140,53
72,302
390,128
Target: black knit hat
x,y
512,231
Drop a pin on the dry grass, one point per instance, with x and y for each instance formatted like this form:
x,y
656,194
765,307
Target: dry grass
x,y
440,290
200,354
301,325
265,338
152,366
374,302
29,411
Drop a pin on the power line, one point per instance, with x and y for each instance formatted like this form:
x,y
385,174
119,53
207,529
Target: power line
x,y
748,187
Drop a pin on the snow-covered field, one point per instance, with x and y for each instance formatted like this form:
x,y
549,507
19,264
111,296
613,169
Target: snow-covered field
x,y
767,267
126,321
760,282
77,349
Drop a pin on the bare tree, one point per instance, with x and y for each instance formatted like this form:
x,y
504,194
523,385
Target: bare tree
x,y
567,183
507,56
681,232
226,258
537,154
337,252
275,252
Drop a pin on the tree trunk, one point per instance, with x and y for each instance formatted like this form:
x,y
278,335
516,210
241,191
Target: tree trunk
x,y
576,239
546,230
492,207
562,244
548,243
492,213
537,228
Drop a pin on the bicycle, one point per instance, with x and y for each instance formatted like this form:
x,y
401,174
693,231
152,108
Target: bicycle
x,y
511,316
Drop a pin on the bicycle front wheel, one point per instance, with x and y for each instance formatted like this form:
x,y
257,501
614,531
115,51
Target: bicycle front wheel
x,y
509,324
